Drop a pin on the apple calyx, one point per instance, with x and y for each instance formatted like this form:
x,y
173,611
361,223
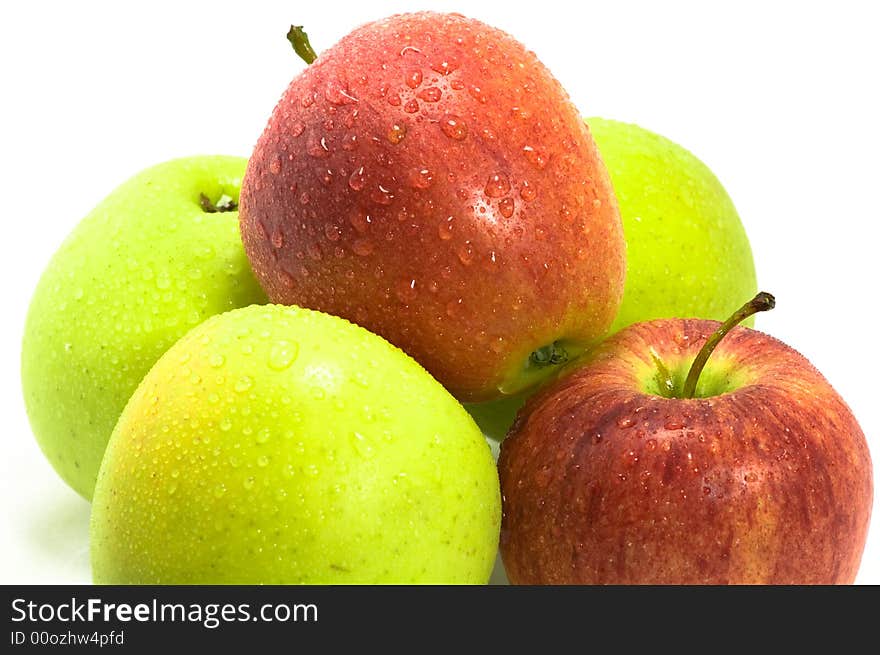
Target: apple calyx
x,y
760,303
300,42
552,354
224,203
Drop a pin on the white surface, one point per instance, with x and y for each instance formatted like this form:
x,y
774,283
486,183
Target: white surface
x,y
779,99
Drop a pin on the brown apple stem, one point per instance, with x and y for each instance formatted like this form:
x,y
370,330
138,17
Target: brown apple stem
x,y
223,204
760,303
300,42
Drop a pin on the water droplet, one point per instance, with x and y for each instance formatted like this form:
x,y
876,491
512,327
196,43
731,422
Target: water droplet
x,y
357,181
393,100
497,186
477,93
421,178
381,195
163,281
296,129
413,78
406,290
466,253
411,106
314,251
527,192
396,133
597,203
305,198
453,307
219,490
431,94
283,355
360,221
361,445
332,232
444,229
275,165
225,424
673,424
534,157
243,384
277,239
362,247
454,127
262,461
625,422
444,66
336,93
327,178
506,207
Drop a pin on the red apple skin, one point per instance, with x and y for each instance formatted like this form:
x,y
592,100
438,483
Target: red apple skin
x,y
603,483
429,179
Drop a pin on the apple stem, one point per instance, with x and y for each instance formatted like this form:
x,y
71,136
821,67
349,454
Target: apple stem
x,y
223,204
300,42
760,303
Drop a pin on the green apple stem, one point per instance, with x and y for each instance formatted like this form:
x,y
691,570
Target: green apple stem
x,y
760,303
300,42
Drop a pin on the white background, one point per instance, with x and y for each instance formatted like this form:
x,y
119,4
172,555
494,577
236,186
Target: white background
x,y
779,99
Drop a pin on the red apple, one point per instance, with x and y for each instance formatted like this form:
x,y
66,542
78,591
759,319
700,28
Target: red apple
x,y
611,476
428,178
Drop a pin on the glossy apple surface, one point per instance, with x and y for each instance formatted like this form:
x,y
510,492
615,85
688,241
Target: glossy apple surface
x,y
763,477
428,178
687,252
146,265
277,445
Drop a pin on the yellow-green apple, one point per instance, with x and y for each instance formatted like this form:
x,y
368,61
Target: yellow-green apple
x,y
428,178
629,471
160,254
687,252
282,445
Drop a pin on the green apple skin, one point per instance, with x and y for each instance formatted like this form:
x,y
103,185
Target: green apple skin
x,y
280,445
135,275
688,255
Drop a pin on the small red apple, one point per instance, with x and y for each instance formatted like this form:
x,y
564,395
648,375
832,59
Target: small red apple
x,y
753,471
428,178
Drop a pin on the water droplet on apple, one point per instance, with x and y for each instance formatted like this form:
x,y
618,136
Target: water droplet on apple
x,y
431,94
277,239
357,180
396,133
497,186
225,424
382,195
283,355
362,247
296,129
527,192
263,461
275,165
413,78
534,157
361,445
453,307
453,127
625,422
421,178
243,384
411,106
444,229
332,232
477,93
506,207
465,253
393,100
673,424
405,290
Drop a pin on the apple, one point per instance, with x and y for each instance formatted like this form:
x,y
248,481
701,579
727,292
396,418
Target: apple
x,y
428,178
159,255
672,206
279,445
753,471
687,253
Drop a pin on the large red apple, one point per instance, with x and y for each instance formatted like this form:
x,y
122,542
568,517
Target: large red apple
x,y
428,178
610,476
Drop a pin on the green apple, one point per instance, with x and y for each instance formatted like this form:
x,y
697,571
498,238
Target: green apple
x,y
688,255
281,445
159,255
